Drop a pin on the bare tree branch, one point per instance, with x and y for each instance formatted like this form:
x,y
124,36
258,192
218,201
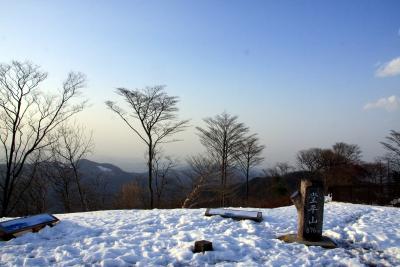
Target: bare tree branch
x,y
248,155
27,116
222,137
156,112
70,147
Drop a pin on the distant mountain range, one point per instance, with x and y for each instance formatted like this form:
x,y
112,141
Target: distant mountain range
x,y
115,176
179,185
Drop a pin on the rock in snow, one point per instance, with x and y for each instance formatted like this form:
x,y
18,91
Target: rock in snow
x,y
366,235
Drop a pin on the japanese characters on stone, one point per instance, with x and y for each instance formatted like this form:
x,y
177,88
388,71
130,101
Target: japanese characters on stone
x,y
313,212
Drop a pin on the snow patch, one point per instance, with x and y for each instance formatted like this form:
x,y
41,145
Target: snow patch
x,y
104,169
328,198
366,235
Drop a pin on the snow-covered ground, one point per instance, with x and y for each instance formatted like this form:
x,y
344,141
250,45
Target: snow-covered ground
x,y
366,235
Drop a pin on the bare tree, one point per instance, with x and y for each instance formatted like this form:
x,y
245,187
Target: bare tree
x,y
97,194
62,183
163,170
347,153
337,165
131,196
223,136
71,146
202,172
27,116
156,113
280,169
248,156
310,159
32,188
376,171
392,145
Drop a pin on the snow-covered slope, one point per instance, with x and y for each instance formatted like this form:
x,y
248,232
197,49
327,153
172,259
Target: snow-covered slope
x,y
367,235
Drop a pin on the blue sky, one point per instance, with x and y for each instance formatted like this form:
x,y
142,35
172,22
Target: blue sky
x,y
300,73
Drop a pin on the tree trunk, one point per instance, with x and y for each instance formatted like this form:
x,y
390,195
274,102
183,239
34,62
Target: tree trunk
x,y
223,186
4,204
150,165
82,198
6,190
64,193
10,177
247,185
222,183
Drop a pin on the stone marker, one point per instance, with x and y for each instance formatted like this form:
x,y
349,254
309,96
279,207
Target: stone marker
x,y
309,202
202,246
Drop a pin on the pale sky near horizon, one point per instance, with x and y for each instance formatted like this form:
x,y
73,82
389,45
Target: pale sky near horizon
x,y
301,74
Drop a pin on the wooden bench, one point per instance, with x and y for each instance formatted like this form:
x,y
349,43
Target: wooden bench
x,y
236,214
16,227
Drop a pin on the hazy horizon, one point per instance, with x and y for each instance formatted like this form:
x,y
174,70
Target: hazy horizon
x,y
300,74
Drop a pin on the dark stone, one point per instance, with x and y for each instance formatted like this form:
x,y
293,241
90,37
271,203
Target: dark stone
x,y
202,246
